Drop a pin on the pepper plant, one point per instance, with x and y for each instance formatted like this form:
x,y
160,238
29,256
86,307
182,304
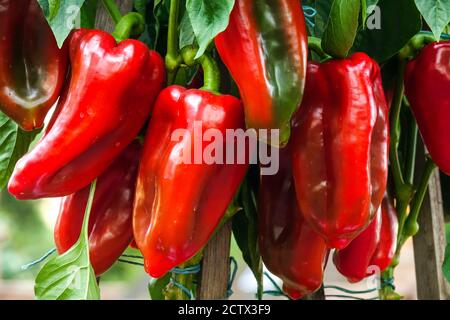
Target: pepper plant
x,y
340,91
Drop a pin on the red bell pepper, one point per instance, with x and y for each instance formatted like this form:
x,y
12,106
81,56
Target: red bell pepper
x,y
340,147
354,261
265,48
289,247
110,222
387,245
32,67
427,86
178,205
109,98
374,248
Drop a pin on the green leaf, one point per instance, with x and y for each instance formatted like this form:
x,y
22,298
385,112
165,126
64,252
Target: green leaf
x,y
341,28
88,14
208,19
156,287
245,226
70,276
63,16
14,143
446,265
53,7
436,13
381,44
187,35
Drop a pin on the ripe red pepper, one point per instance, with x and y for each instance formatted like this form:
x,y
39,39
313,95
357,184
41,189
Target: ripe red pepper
x,y
387,245
374,248
340,147
179,205
265,47
110,221
427,86
289,247
109,98
32,67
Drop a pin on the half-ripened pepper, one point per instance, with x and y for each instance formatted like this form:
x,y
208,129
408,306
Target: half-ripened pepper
x,y
340,147
32,67
265,49
373,250
110,222
180,199
427,86
290,248
110,95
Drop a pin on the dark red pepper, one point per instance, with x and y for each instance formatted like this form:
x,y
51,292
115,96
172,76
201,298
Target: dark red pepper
x,y
289,247
110,221
32,67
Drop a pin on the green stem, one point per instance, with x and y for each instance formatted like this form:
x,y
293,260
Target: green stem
x,y
315,44
412,150
211,71
411,225
113,10
188,280
131,24
87,213
403,190
173,58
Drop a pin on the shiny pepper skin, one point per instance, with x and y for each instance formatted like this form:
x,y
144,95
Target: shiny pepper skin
x,y
290,248
265,48
427,86
32,67
340,147
387,245
110,95
373,250
178,205
110,221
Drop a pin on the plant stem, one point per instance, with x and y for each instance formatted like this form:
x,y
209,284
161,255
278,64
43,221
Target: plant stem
x,y
411,150
131,24
173,58
315,44
113,10
403,190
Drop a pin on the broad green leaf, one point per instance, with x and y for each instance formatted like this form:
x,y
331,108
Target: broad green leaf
x,y
88,14
70,276
14,143
208,19
341,28
187,36
436,13
156,287
245,226
383,43
53,7
63,16
446,265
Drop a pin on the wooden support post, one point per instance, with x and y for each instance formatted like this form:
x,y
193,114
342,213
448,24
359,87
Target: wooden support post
x,y
215,270
430,242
